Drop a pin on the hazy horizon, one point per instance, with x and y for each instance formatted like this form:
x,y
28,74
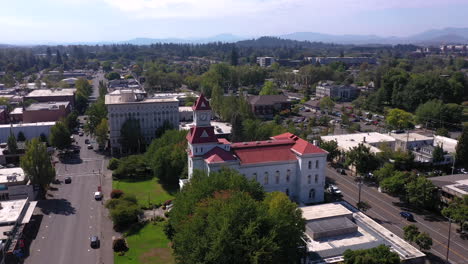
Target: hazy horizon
x,y
66,21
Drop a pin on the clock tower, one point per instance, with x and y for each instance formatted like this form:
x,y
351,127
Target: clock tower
x,y
201,137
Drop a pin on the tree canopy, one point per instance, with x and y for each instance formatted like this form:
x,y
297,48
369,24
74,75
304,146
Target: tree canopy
x,y
36,163
60,136
399,119
226,218
377,255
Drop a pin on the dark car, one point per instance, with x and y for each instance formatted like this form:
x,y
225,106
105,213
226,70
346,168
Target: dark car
x,y
408,216
95,243
86,141
67,180
341,171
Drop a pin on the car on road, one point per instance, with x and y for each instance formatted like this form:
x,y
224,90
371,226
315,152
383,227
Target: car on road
x,y
341,171
81,134
10,165
95,243
97,196
90,146
408,216
67,180
86,141
333,189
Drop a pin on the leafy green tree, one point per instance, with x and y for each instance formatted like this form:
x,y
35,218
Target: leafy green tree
x,y
224,218
424,241
106,66
399,119
60,136
37,165
411,232
462,148
96,113
132,167
43,138
101,132
102,89
396,184
162,129
457,210
21,137
234,57
11,143
269,88
442,132
327,104
237,128
124,211
167,156
71,121
438,154
113,164
131,136
377,255
332,148
362,159
113,76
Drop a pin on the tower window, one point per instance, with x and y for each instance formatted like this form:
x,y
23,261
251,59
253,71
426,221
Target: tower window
x,y
312,194
316,178
288,175
265,178
277,177
316,164
310,165
255,176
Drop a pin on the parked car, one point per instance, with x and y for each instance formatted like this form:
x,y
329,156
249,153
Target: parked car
x,y
67,180
97,196
81,134
10,165
95,243
408,216
86,141
333,189
90,146
341,171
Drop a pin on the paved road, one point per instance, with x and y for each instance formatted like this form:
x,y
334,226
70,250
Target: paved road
x,y
98,77
72,215
385,210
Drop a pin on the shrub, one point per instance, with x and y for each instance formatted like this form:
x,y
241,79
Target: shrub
x,y
158,218
119,245
168,202
113,164
124,215
116,194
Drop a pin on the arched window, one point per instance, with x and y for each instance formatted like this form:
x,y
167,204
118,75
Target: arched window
x,y
277,177
310,165
265,178
316,178
316,164
287,192
309,179
312,194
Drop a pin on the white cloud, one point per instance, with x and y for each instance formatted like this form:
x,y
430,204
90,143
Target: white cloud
x,y
245,8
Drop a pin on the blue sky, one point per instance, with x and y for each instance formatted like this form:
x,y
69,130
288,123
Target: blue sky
x,y
41,21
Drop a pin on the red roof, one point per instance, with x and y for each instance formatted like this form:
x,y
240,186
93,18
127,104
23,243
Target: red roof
x,y
301,146
201,104
218,155
224,141
201,135
262,153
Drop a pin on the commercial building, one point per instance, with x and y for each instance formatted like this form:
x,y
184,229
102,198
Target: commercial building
x,y
339,92
185,113
265,61
266,106
285,163
373,140
30,130
14,215
12,176
53,95
16,115
150,112
410,141
451,186
333,228
46,112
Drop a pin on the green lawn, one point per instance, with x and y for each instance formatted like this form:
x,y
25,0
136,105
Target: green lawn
x,y
149,245
147,190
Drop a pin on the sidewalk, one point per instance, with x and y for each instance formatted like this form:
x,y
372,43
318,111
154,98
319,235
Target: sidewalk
x,y
107,231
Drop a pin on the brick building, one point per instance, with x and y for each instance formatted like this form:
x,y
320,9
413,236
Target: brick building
x,y
45,112
53,95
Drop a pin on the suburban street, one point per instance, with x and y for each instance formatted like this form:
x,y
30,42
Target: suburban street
x,y
385,210
99,76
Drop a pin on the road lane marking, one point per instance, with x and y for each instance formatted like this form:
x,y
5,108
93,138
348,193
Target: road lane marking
x,y
390,213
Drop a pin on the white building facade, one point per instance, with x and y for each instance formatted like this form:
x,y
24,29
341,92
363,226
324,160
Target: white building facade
x,y
284,163
150,112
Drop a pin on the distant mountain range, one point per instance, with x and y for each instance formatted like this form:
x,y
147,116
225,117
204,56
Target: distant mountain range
x,y
430,37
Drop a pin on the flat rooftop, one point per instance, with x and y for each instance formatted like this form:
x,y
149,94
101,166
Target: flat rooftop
x,y
324,211
410,137
11,210
220,128
52,92
349,141
11,175
369,234
47,106
28,124
17,111
125,96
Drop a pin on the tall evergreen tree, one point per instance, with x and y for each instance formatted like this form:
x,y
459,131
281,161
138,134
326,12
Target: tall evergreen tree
x,y
58,57
234,57
237,128
12,145
462,148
